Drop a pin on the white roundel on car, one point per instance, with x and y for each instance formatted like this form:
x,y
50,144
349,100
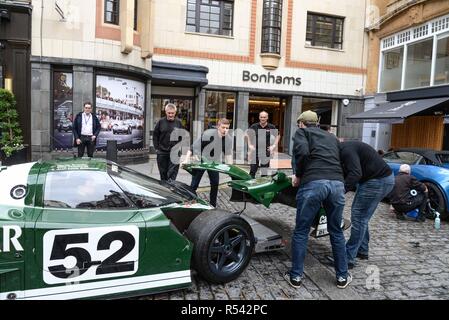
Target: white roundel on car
x,y
13,186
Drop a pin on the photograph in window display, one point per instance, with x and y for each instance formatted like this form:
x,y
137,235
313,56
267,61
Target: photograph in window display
x,y
120,105
62,110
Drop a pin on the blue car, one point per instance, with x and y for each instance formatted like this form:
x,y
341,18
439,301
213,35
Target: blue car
x,y
428,166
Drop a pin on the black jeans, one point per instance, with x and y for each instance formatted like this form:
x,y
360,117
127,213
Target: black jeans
x,y
167,169
419,201
214,178
258,164
86,142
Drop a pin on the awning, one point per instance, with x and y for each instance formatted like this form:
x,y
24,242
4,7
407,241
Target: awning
x,y
175,74
396,112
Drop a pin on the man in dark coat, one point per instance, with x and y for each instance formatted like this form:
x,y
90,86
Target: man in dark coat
x,y
164,143
86,128
408,194
372,179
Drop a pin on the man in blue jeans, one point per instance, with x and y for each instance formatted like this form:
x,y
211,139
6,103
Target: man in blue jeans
x,y
318,173
366,172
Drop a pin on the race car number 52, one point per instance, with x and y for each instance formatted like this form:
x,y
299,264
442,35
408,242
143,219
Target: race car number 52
x,y
74,255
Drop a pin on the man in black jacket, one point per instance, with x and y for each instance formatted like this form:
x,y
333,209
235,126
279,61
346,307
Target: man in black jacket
x,y
260,149
86,128
318,173
372,179
163,144
408,194
214,145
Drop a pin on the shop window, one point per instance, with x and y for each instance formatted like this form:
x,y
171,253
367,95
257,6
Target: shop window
x,y
184,109
419,63
271,26
62,110
112,11
120,107
442,62
391,74
218,105
209,16
324,31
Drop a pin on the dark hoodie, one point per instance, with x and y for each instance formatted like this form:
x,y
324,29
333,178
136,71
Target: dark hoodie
x,y
316,155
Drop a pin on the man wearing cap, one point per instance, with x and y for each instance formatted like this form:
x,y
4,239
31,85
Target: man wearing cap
x,y
408,194
368,174
318,173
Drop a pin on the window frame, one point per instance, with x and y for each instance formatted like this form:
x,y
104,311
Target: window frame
x,y
198,19
117,14
333,43
268,27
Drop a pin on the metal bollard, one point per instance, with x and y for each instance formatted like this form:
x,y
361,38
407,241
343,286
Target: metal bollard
x,y
111,150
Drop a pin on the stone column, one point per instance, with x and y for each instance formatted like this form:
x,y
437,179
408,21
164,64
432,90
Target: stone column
x,y
293,110
149,124
40,111
83,87
200,107
241,123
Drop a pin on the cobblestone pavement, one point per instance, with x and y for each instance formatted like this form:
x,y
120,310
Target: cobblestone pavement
x,y
407,260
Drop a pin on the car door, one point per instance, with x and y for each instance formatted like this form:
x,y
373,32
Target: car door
x,y
86,232
13,232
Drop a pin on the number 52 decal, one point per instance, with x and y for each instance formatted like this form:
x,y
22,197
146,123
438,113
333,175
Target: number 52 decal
x,y
90,254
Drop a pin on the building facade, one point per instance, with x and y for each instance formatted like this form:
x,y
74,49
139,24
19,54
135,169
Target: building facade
x,y
408,79
15,48
211,58
279,56
96,51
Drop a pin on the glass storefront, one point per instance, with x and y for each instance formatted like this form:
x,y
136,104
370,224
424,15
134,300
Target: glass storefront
x,y
219,105
419,64
184,105
415,58
392,70
62,110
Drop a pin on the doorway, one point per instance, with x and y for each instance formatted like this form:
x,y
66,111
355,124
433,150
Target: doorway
x,y
274,106
326,110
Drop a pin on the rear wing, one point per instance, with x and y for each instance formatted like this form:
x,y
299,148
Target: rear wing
x,y
264,190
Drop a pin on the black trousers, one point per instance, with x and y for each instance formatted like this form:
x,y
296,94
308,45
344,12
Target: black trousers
x,y
214,178
167,169
419,201
258,163
86,143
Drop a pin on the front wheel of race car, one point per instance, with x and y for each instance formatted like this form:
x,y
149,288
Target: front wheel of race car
x,y
222,245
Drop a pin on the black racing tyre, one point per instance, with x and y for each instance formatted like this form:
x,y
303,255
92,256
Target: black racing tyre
x,y
437,200
222,245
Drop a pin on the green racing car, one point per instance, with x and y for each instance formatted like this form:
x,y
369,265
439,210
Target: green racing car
x,y
90,228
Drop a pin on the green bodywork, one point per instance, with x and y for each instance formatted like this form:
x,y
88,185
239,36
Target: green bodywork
x,y
263,190
162,249
234,172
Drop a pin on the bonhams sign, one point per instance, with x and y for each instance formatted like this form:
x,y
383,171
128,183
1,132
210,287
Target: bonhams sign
x,y
270,78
